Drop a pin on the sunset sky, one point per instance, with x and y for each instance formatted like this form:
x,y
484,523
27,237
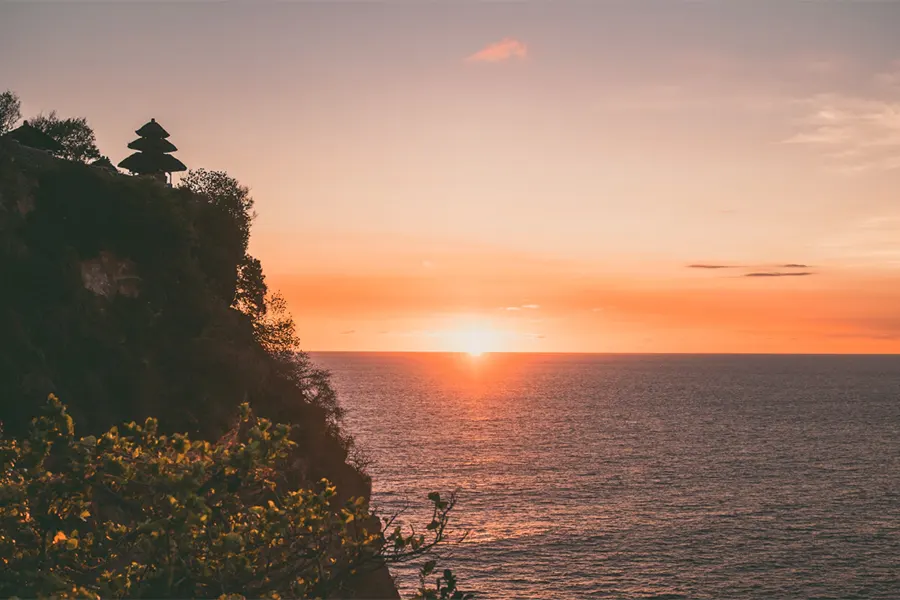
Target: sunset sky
x,y
523,176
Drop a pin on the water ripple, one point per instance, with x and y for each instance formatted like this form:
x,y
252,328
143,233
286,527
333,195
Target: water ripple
x,y
643,476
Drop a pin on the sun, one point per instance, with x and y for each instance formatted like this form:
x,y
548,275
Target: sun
x,y
476,342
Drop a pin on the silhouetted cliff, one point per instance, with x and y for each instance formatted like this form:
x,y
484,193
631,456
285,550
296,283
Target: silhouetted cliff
x,y
117,294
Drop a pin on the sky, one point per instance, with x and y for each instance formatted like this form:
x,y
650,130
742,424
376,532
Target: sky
x,y
548,176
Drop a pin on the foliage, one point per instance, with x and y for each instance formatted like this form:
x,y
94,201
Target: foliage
x,y
226,217
74,134
223,221
226,193
133,513
250,296
10,111
445,585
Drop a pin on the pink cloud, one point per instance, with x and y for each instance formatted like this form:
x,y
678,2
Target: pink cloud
x,y
505,49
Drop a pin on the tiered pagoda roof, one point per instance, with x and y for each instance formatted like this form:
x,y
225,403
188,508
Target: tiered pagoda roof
x,y
153,152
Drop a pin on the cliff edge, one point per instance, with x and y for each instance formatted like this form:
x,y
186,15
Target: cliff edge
x,y
117,294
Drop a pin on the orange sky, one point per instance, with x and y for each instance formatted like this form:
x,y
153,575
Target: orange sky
x,y
523,176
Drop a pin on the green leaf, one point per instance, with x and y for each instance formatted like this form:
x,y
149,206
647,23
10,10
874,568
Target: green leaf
x,y
428,567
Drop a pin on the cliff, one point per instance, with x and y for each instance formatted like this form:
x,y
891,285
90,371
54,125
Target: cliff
x,y
117,294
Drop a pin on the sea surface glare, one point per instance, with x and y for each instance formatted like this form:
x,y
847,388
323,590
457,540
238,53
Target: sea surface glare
x,y
642,476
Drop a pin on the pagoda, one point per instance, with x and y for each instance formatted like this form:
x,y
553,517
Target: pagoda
x,y
153,156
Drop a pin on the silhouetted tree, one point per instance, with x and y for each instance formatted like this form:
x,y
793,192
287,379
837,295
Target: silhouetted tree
x,y
10,111
250,297
75,135
226,193
223,225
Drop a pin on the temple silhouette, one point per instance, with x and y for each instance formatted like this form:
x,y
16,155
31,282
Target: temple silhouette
x,y
153,156
33,137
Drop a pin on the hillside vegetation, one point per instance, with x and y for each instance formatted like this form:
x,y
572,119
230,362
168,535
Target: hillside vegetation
x,y
128,300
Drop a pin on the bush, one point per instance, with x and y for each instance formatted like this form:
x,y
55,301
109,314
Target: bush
x,y
133,513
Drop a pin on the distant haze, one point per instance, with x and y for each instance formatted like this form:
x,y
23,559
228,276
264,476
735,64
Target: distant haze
x,y
543,176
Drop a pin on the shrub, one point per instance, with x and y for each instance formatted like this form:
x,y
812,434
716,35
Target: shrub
x,y
134,513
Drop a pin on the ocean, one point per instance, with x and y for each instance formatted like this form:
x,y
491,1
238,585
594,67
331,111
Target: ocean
x,y
641,476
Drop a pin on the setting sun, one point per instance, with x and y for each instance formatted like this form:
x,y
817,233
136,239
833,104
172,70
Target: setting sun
x,y
474,341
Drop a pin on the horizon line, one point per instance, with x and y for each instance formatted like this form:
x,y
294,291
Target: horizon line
x,y
579,353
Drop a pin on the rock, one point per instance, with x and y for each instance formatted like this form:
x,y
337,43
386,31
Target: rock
x,y
109,276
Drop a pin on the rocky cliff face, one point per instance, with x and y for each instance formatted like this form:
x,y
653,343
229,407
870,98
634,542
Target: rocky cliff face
x,y
110,297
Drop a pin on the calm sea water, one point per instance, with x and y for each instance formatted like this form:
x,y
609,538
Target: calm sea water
x,y
631,476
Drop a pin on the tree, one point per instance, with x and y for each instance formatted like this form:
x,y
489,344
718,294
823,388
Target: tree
x,y
75,135
133,513
10,111
223,223
250,297
240,277
227,194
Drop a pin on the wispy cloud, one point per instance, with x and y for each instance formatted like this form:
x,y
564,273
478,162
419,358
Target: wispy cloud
x,y
505,49
858,134
523,307
868,242
890,78
707,266
758,273
776,274
348,332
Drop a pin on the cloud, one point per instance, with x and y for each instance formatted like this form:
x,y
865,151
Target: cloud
x,y
754,274
857,134
870,241
348,332
705,266
523,306
890,78
773,274
505,49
